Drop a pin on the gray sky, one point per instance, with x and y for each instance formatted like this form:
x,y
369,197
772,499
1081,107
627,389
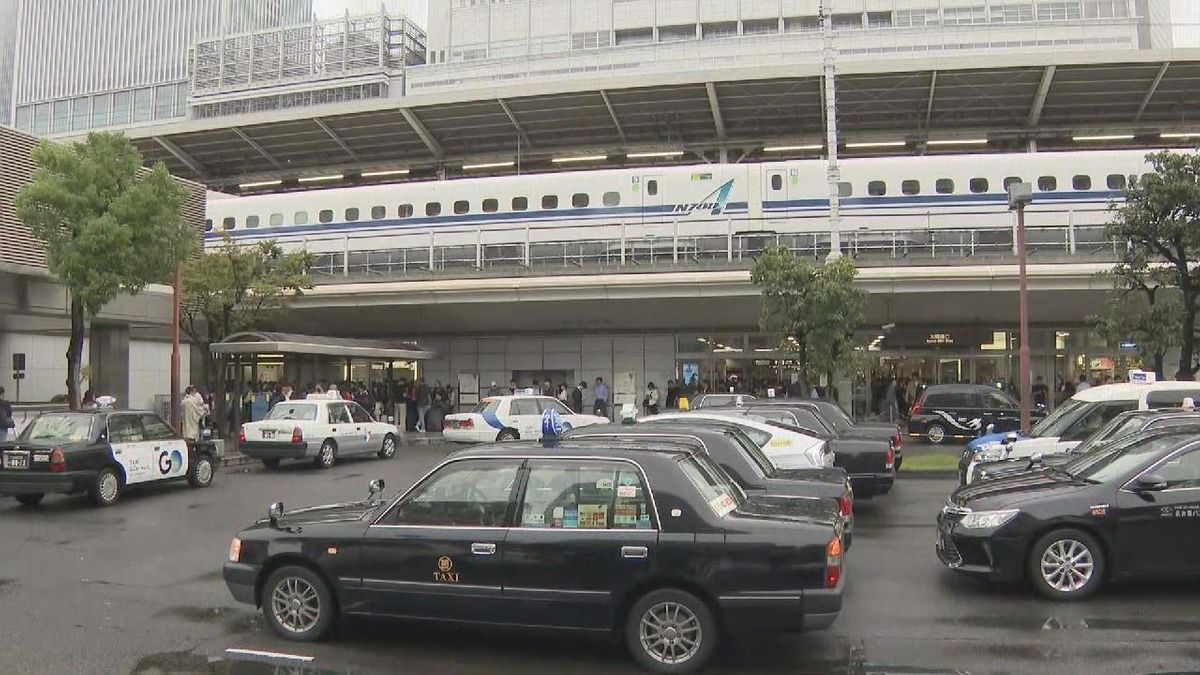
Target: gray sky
x,y
417,10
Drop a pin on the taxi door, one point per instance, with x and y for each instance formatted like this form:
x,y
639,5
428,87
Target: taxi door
x,y
584,537
168,450
525,417
342,429
130,449
1158,533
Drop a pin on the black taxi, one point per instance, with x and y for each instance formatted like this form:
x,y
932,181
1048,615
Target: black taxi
x,y
660,548
99,452
1129,512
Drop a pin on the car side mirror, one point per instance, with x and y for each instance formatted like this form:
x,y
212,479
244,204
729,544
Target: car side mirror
x,y
1150,482
1011,437
375,487
274,513
991,429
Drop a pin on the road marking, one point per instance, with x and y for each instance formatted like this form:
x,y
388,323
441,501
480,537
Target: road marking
x,y
269,655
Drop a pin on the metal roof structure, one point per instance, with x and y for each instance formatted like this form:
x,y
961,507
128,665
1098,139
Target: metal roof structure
x,y
256,342
1051,98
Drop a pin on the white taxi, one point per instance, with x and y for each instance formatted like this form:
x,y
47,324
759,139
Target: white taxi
x,y
509,418
317,429
787,449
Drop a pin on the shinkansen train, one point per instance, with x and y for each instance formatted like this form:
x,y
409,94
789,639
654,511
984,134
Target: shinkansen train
x,y
875,195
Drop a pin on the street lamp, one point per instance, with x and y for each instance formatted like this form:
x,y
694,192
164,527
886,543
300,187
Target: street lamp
x,y
1019,195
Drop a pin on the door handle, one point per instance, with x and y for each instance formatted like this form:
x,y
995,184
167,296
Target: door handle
x,y
635,552
483,549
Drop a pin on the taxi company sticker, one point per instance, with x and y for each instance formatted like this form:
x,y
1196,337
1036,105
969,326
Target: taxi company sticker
x,y
557,517
604,484
534,519
445,571
627,491
722,504
644,521
625,514
1180,511
570,519
593,516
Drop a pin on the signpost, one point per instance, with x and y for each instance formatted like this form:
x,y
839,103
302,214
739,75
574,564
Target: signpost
x,y
18,372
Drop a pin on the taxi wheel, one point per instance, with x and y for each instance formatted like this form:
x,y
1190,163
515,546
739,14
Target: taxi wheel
x,y
298,604
327,455
935,434
388,450
107,487
30,500
670,631
507,435
1066,564
200,473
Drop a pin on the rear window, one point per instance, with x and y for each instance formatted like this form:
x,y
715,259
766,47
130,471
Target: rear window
x,y
59,427
939,400
287,410
486,405
715,487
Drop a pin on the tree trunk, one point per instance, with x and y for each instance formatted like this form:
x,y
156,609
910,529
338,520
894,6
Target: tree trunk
x,y
1158,365
1187,371
75,353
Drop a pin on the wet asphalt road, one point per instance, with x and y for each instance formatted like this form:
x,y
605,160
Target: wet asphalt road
x,y
136,589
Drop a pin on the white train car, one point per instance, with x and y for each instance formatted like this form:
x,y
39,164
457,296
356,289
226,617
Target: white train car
x,y
664,205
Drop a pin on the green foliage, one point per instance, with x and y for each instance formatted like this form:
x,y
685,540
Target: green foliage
x,y
810,310
1160,224
1149,316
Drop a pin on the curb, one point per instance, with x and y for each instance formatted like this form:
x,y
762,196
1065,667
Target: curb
x,y
931,473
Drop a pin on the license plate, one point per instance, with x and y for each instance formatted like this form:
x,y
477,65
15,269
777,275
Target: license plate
x,y
268,433
16,460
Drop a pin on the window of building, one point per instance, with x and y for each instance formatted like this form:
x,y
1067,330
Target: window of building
x,y
760,26
879,19
910,187
433,208
520,203
229,222
62,116
634,36
24,119
208,224
854,20
1081,182
916,18
164,101
1045,184
462,206
276,219
590,40
1012,13
1011,180
550,202
978,185
845,189
405,211
41,119
300,218
580,200
1060,10
713,31
143,104
251,222
960,16
1105,9
120,107
81,115
612,198
351,214
676,33
491,205
378,212
1116,181
652,187
325,216
877,188
801,24
776,181
943,186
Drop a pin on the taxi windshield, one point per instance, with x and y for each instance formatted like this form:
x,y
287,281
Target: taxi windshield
x,y
714,485
1057,422
1118,427
1122,457
760,459
59,427
286,410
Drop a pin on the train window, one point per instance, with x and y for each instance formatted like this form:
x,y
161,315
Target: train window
x,y
1047,183
1081,182
1011,180
652,187
845,189
776,181
229,222
877,188
910,187
378,212
1116,181
405,211
208,225
978,185
520,203
944,186
276,219
433,208
300,218
462,206
550,202
580,200
491,205
251,221
325,216
351,214
612,198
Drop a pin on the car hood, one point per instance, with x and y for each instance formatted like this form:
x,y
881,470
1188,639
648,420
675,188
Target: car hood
x,y
45,444
988,439
1016,490
327,513
794,509
1006,468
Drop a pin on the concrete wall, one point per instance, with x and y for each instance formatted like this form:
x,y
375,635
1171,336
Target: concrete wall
x,y
45,363
150,370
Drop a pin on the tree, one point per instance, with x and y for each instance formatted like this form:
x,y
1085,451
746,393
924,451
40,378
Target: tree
x,y
236,288
109,226
809,310
1159,223
1142,309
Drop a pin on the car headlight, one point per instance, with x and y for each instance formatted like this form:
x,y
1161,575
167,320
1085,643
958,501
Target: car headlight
x,y
235,550
985,520
992,453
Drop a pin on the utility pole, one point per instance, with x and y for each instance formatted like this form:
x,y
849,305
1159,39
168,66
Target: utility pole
x,y
176,379
829,65
1019,195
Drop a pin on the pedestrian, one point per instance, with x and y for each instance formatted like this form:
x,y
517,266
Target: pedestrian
x,y
1040,391
577,397
672,394
88,401
890,408
563,393
193,413
1083,383
600,392
424,400
6,416
650,403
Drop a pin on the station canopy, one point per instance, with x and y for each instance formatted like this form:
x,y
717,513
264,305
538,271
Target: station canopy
x,y
256,342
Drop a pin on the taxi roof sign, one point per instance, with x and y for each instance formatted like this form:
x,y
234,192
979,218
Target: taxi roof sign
x,y
1142,377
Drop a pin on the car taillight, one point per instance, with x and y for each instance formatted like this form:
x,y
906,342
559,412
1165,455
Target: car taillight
x,y
297,435
898,440
889,460
466,424
58,461
242,435
915,409
833,563
845,505
235,550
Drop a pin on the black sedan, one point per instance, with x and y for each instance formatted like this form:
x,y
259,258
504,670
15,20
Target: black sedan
x,y
100,452
1132,512
657,547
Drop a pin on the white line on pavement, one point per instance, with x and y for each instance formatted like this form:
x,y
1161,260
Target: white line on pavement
x,y
270,655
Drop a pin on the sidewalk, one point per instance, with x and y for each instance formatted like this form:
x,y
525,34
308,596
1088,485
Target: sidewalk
x,y
233,458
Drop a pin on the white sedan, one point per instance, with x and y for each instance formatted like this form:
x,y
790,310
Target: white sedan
x,y
786,449
317,429
509,418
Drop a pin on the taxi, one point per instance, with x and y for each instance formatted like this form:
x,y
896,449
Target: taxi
x,y
787,449
511,418
99,453
650,543
319,430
